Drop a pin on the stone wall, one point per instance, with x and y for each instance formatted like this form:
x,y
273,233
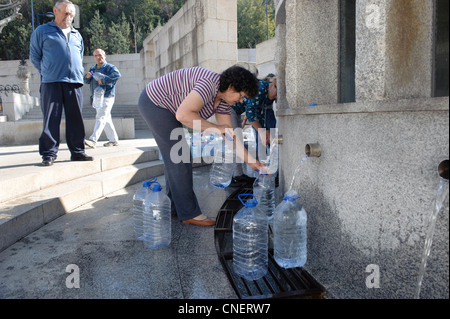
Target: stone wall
x,y
128,87
202,33
370,194
265,57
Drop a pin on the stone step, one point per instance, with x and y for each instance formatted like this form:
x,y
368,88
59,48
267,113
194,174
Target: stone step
x,y
32,195
22,174
118,111
23,215
25,132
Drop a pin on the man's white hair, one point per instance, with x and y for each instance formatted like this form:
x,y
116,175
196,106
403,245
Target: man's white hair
x,y
69,4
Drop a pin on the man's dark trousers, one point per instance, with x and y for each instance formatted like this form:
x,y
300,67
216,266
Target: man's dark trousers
x,y
54,98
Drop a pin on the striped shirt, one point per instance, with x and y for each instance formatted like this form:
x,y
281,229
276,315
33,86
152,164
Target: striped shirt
x,y
170,90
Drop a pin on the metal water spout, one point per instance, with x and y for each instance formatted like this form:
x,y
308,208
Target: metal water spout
x,y
443,169
313,150
279,139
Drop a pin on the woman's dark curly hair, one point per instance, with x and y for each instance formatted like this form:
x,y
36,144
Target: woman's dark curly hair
x,y
241,80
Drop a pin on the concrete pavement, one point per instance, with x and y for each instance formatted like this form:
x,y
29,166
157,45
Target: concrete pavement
x,y
92,246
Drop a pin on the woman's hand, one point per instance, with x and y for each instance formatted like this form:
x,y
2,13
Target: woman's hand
x,y
227,132
259,166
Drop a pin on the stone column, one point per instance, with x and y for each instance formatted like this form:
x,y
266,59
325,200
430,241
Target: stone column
x,y
281,55
24,76
393,56
312,43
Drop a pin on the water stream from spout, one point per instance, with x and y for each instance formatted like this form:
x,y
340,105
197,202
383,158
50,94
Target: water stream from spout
x,y
441,198
297,170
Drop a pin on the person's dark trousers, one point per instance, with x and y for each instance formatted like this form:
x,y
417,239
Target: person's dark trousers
x,y
271,121
56,97
179,178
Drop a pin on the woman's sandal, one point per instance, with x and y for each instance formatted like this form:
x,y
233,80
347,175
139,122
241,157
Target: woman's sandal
x,y
200,222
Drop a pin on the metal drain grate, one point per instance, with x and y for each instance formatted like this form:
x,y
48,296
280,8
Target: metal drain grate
x,y
279,282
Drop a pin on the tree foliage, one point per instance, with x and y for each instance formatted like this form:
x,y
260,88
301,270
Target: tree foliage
x,y
120,26
253,24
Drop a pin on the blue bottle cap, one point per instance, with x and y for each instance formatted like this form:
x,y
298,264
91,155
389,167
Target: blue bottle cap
x,y
150,182
291,196
251,202
156,187
313,105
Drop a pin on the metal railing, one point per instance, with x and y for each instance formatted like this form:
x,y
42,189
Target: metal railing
x,y
6,89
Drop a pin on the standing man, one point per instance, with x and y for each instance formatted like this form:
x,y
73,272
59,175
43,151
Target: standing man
x,y
56,50
108,82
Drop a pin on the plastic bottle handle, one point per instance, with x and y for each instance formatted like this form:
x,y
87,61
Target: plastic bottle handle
x,y
251,195
291,198
150,182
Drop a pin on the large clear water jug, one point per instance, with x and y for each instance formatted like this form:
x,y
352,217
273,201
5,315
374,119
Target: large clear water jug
x,y
138,208
250,240
271,161
264,191
289,232
224,164
157,218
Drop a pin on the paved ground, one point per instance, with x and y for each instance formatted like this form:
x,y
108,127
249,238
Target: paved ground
x,y
97,241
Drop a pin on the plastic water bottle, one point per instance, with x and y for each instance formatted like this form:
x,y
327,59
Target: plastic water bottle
x,y
99,95
98,76
250,144
157,218
208,149
224,164
196,145
250,241
138,208
290,232
264,191
272,159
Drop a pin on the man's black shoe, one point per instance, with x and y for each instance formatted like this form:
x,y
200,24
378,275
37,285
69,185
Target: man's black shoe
x,y
81,158
47,161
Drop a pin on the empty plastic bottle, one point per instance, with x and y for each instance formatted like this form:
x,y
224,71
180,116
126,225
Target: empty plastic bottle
x,y
264,191
157,218
250,144
99,92
98,76
138,208
210,144
290,232
272,159
250,241
224,164
99,96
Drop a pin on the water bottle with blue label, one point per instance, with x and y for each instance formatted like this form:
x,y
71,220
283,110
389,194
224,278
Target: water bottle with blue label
x,y
157,218
289,232
250,240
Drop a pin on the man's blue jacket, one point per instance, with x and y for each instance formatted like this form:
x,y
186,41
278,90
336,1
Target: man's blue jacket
x,y
112,75
56,58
